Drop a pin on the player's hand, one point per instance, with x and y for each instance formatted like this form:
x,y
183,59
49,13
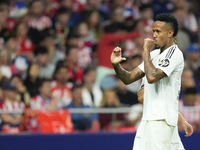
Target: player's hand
x,y
188,129
148,44
116,57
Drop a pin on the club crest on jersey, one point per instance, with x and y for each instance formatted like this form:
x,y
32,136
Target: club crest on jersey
x,y
164,63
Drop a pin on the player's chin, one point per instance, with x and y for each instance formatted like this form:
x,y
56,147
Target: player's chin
x,y
157,46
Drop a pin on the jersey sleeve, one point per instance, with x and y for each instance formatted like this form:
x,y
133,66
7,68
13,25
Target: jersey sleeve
x,y
171,61
152,53
142,85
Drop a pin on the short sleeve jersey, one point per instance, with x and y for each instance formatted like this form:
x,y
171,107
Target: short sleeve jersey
x,y
161,97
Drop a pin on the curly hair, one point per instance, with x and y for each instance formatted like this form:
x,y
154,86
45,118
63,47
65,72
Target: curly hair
x,y
170,19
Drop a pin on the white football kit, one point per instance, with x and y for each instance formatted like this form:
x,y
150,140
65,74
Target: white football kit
x,y
160,110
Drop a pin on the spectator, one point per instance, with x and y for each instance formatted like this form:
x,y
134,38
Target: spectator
x,y
117,14
50,7
10,120
46,68
187,79
24,45
37,20
78,38
146,12
11,45
82,29
110,100
126,97
193,57
134,61
44,100
22,94
162,6
91,93
189,97
61,27
73,38
113,35
74,69
92,19
61,88
47,39
7,69
4,31
189,22
182,37
82,121
32,79
75,8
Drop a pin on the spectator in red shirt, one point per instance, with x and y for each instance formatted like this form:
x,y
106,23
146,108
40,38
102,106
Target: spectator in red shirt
x,y
37,20
24,44
61,88
10,120
74,69
50,7
113,35
10,22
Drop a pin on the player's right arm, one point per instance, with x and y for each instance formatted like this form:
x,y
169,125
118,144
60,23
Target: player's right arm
x,y
126,76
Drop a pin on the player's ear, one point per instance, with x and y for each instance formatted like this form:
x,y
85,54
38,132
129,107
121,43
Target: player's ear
x,y
170,33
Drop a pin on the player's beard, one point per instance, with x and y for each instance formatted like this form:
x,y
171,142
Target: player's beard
x,y
156,46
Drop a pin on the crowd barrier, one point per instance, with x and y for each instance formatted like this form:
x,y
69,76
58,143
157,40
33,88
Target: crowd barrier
x,y
83,141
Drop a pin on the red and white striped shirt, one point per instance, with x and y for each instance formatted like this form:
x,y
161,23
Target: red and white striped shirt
x,y
41,23
11,106
64,94
13,109
40,103
190,116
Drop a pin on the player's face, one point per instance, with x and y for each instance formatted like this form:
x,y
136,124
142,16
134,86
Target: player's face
x,y
160,34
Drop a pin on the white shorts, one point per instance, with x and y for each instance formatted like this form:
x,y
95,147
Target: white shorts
x,y
176,141
156,135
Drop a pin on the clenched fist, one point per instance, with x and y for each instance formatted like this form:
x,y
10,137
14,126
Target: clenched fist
x,y
116,57
148,44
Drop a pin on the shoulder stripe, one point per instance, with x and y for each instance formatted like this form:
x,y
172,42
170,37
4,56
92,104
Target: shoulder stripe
x,y
172,53
168,52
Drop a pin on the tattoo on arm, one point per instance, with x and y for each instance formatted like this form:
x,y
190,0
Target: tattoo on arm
x,y
152,73
128,76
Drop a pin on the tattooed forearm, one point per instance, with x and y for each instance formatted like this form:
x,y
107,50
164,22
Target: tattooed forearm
x,y
128,76
152,73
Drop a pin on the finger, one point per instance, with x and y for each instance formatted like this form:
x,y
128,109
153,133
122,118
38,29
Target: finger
x,y
117,50
123,58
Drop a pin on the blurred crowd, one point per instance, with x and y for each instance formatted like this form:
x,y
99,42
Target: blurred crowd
x,y
55,54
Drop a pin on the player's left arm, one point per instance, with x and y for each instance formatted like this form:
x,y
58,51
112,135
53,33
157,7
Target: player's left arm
x,y
152,73
185,125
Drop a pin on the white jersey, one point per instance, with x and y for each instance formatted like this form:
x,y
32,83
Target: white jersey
x,y
161,97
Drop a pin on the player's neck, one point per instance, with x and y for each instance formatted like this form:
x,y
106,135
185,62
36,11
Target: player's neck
x,y
167,45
